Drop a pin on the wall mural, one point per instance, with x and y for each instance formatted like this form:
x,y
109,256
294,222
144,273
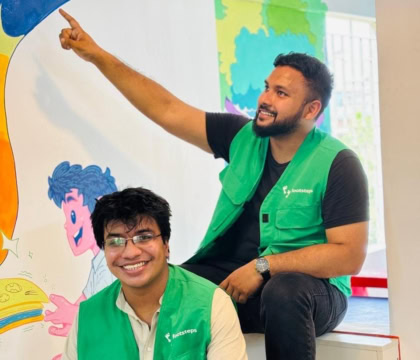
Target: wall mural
x,y
18,18
57,157
20,299
48,176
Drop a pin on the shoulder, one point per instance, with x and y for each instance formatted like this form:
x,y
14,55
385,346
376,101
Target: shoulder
x,y
328,142
221,128
182,275
232,119
110,291
346,199
228,124
222,304
347,163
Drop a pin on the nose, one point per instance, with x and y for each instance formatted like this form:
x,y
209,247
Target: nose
x,y
131,250
265,98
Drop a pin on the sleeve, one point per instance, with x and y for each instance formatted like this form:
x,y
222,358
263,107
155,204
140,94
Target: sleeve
x,y
221,128
346,198
227,340
88,290
99,277
70,349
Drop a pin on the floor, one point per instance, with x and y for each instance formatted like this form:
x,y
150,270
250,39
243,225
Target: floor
x,y
366,315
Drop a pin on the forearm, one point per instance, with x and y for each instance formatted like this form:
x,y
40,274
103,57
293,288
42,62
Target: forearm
x,y
146,95
321,261
154,101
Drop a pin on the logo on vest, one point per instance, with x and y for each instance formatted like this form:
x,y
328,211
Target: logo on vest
x,y
287,191
181,333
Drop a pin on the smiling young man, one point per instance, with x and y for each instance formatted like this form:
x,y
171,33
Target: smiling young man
x,y
154,310
291,223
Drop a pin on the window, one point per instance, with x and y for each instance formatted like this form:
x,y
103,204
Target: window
x,y
352,58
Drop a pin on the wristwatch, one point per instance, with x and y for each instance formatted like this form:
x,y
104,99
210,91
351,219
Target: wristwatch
x,y
263,267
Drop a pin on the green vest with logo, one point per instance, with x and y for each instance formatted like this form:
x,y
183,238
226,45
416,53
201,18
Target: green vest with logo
x,y
183,329
290,215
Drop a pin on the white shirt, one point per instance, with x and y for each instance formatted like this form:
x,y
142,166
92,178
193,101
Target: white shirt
x,y
99,276
227,340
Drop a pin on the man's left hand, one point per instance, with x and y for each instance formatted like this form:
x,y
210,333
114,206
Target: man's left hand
x,y
242,283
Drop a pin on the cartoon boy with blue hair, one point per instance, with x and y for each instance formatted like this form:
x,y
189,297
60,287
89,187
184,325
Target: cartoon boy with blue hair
x,y
75,190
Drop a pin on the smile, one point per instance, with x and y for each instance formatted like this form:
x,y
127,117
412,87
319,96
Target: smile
x,y
267,113
78,235
135,266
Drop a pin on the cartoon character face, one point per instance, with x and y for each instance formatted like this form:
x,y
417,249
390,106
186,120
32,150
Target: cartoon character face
x,y
78,225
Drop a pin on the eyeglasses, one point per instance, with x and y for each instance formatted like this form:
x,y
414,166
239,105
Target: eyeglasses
x,y
121,242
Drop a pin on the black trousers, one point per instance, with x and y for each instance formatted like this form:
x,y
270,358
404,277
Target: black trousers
x,y
291,309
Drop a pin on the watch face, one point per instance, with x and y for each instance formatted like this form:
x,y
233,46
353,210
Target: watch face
x,y
262,265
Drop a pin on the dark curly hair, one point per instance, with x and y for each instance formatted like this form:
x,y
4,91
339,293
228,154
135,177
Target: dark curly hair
x,y
318,77
130,206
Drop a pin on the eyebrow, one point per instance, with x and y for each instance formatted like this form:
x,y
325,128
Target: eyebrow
x,y
277,87
70,198
138,232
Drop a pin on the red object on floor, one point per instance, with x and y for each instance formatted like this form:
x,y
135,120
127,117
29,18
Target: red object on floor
x,y
375,282
359,284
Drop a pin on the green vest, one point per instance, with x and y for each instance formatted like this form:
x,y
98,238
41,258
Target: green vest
x,y
290,215
183,329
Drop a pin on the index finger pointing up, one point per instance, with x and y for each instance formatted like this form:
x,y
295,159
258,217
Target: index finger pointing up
x,y
72,21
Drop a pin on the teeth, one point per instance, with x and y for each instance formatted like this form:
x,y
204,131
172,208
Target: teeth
x,y
135,266
266,113
76,234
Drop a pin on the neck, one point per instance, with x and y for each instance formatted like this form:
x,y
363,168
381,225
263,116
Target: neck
x,y
283,148
145,301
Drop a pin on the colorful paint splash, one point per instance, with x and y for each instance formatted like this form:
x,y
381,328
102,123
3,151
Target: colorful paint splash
x,y
250,34
18,18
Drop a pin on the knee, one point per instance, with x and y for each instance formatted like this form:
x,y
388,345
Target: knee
x,y
286,290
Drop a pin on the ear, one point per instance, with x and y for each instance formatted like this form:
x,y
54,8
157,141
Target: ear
x,y
167,250
312,109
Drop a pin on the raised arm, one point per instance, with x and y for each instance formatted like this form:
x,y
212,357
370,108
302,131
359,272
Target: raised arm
x,y
150,98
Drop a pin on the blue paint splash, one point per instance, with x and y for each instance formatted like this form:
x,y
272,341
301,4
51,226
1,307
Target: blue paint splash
x,y
255,54
19,17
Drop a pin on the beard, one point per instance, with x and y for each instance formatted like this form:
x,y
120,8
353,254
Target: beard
x,y
279,127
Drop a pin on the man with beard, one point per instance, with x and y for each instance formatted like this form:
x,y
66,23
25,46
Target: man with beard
x,y
291,222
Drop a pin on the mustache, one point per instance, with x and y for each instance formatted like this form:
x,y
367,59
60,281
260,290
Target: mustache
x,y
266,108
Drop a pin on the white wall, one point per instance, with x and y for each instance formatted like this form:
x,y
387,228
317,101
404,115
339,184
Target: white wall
x,y
61,108
398,31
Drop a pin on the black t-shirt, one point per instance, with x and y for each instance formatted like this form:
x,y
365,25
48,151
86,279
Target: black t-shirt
x,y
346,198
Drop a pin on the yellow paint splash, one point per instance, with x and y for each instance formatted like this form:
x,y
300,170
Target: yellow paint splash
x,y
237,13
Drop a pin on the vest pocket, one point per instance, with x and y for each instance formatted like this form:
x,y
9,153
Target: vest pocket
x,y
237,189
298,217
225,217
226,211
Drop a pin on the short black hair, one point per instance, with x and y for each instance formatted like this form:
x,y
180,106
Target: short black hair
x,y
130,206
319,79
